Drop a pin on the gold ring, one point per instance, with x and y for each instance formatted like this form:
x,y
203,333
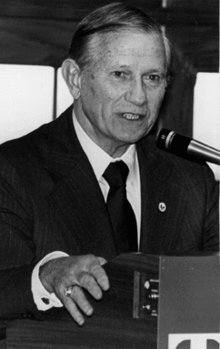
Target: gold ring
x,y
68,291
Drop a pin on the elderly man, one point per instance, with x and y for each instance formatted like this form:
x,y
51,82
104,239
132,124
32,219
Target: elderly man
x,y
91,185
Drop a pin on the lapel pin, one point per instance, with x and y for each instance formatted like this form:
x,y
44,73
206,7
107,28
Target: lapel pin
x,y
162,207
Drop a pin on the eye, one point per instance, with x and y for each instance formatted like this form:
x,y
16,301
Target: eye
x,y
119,74
154,78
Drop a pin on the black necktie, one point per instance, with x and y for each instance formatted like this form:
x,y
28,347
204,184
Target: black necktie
x,y
120,211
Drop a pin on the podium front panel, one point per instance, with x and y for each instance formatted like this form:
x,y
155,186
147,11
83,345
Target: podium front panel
x,y
189,303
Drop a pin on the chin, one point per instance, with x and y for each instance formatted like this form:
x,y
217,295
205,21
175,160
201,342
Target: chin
x,y
130,139
136,136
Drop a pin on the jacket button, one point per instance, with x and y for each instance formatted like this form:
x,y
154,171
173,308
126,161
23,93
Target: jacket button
x,y
28,315
162,207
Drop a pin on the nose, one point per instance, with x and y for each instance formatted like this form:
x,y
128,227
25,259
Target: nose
x,y
137,93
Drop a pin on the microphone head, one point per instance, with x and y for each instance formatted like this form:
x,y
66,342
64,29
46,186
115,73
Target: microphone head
x,y
173,142
164,138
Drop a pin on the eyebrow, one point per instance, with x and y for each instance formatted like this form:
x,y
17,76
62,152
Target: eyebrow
x,y
150,70
120,66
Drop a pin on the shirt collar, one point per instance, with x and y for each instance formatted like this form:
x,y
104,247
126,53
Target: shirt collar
x,y
98,158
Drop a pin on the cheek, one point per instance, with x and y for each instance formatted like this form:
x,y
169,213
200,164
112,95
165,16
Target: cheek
x,y
98,89
157,97
88,86
93,91
105,98
98,93
88,89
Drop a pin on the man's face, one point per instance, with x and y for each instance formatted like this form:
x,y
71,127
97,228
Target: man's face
x,y
121,92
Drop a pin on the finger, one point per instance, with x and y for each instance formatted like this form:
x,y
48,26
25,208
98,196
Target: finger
x,y
73,309
100,275
62,292
79,298
88,282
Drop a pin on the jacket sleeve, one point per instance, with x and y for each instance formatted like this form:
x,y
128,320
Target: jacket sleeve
x,y
17,248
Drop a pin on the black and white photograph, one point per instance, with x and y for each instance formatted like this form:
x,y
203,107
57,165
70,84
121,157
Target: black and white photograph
x,y
109,174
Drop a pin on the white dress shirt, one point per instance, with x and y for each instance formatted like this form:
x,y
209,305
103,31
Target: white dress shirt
x,y
99,160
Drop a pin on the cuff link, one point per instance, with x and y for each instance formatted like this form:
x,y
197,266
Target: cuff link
x,y
162,207
45,300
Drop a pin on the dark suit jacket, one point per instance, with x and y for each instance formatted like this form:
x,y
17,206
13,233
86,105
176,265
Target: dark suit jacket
x,y
50,200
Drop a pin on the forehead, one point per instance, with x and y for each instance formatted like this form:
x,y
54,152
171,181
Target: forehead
x,y
129,45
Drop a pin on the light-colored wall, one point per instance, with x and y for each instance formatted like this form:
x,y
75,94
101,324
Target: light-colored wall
x,y
28,98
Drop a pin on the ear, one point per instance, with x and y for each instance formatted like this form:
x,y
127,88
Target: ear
x,y
71,74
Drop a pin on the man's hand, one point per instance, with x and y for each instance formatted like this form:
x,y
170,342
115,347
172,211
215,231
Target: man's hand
x,y
66,276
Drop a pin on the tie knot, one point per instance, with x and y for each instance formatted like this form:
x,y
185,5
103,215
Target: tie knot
x,y
116,174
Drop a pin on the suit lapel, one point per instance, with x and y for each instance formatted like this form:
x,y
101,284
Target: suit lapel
x,y
80,204
160,198
76,192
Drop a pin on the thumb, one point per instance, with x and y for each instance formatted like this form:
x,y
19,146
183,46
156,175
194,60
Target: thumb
x,y
102,260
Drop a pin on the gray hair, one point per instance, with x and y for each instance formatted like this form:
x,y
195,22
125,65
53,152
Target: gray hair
x,y
112,18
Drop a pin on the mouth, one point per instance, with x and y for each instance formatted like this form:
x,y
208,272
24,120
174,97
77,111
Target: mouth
x,y
132,116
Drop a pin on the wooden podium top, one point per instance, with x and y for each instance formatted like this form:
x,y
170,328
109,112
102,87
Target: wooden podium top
x,y
95,334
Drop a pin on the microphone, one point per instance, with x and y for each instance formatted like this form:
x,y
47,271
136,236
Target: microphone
x,y
183,146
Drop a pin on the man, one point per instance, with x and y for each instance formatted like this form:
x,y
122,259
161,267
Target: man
x,y
55,219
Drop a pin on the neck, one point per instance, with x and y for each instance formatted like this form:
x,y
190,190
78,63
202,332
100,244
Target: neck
x,y
118,151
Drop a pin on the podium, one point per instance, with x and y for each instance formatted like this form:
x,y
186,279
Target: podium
x,y
181,292
154,302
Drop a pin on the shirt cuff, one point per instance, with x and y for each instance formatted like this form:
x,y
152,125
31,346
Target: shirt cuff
x,y
43,299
